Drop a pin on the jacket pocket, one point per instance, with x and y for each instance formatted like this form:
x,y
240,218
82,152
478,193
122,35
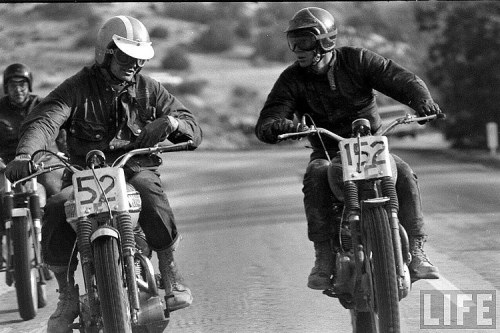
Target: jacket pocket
x,y
84,136
87,131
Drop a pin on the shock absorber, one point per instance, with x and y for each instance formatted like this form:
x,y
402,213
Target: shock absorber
x,y
124,223
36,216
36,213
8,205
389,190
351,198
83,231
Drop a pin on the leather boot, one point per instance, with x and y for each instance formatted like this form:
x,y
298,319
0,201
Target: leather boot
x,y
177,295
319,279
68,306
420,266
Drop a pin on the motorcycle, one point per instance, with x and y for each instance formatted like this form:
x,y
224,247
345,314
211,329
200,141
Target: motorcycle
x,y
121,288
371,249
22,207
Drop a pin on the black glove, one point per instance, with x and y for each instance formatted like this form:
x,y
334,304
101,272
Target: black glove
x,y
426,107
19,167
283,126
156,131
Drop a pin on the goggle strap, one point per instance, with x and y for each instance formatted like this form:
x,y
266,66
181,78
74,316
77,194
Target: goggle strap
x,y
328,34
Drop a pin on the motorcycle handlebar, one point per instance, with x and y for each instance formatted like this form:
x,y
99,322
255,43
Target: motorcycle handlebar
x,y
41,168
188,145
402,120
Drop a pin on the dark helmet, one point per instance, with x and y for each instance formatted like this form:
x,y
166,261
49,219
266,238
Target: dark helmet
x,y
320,22
17,70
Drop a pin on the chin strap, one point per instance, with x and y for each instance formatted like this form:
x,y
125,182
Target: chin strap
x,y
317,58
113,79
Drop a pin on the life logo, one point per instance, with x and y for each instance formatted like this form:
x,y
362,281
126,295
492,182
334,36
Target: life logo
x,y
458,309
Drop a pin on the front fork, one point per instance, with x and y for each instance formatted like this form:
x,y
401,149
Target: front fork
x,y
399,236
9,210
127,241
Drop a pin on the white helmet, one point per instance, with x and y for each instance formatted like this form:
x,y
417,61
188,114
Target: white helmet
x,y
126,33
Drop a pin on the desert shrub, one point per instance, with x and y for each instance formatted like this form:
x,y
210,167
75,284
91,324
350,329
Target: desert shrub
x,y
176,58
243,97
191,12
272,46
189,87
61,11
218,37
244,29
159,32
84,41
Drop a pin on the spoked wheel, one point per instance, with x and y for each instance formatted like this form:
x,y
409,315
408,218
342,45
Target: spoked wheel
x,y
25,275
110,285
384,302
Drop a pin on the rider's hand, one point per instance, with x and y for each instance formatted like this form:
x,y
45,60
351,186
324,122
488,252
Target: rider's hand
x,y
283,126
426,107
19,167
156,131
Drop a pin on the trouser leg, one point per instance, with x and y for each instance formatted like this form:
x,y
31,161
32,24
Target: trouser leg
x,y
156,217
410,203
58,237
319,201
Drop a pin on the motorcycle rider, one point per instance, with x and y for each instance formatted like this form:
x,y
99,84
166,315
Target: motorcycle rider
x,y
110,106
18,101
335,86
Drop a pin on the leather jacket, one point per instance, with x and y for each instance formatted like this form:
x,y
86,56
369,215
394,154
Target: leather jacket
x,y
343,94
11,117
94,114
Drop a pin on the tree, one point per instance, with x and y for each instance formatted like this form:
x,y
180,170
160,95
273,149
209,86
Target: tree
x,y
464,66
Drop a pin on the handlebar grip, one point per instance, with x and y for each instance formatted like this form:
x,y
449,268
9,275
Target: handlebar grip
x,y
293,135
188,145
440,116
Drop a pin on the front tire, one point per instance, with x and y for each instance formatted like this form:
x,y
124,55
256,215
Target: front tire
x,y
25,275
110,286
380,264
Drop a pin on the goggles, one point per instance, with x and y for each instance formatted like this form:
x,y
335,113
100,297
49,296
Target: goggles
x,y
19,83
123,59
305,41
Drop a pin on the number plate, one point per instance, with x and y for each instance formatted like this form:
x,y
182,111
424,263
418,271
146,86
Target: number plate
x,y
89,197
372,162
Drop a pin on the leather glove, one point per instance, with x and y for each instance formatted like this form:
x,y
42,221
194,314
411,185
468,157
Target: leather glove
x,y
426,107
19,167
283,126
156,131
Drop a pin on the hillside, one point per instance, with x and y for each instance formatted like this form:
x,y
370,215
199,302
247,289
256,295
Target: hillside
x,y
56,40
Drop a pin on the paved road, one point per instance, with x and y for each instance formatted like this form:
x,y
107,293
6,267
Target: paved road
x,y
246,256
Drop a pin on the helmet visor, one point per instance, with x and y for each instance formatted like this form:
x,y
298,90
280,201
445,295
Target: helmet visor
x,y
302,41
135,49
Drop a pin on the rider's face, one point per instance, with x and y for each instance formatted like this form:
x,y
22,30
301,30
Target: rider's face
x,y
124,67
304,58
18,90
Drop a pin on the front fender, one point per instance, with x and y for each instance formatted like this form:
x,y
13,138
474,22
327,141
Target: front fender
x,y
104,231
